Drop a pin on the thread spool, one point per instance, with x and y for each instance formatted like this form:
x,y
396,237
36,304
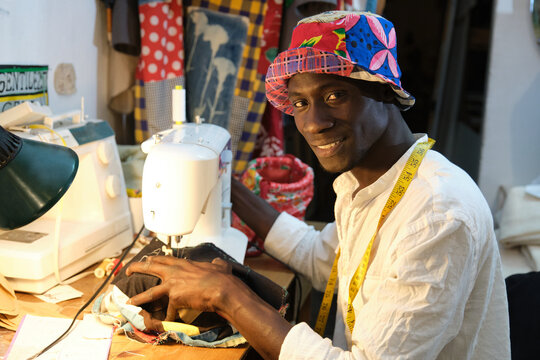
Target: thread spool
x,y
101,270
111,266
178,105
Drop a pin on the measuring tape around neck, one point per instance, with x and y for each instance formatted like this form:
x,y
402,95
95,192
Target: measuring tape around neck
x,y
402,183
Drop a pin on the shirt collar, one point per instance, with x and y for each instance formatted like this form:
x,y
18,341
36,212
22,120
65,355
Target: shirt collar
x,y
345,184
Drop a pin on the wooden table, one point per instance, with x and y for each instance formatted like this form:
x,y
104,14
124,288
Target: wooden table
x,y
125,348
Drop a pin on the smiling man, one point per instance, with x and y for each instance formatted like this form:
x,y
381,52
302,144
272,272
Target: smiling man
x,y
412,249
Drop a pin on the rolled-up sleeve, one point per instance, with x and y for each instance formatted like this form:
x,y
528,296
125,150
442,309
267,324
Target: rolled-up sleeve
x,y
308,251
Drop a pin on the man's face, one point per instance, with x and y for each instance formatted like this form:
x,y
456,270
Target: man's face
x,y
339,123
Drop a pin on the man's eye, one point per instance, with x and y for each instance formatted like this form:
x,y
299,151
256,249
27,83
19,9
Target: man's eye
x,y
334,96
298,103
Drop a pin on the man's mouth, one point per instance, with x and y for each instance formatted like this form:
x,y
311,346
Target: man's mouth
x,y
329,145
329,149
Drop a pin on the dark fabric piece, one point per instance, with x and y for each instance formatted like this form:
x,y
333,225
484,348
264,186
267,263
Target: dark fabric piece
x,y
125,27
523,292
269,291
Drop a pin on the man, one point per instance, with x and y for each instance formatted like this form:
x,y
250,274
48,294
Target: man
x,y
418,271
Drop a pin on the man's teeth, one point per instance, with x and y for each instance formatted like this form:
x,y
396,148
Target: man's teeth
x,y
328,146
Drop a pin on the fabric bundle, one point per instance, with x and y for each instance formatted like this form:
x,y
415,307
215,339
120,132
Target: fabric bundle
x,y
204,329
520,219
520,223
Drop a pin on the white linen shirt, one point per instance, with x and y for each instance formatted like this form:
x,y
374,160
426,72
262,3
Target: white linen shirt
x,y
434,288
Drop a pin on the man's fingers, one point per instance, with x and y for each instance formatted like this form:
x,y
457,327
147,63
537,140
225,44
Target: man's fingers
x,y
150,323
166,268
151,267
149,295
172,313
224,265
166,260
219,261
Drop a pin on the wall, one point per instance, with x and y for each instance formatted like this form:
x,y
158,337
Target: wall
x,y
59,31
511,139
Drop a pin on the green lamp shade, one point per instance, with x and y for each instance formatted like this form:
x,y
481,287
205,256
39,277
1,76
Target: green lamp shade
x,y
33,179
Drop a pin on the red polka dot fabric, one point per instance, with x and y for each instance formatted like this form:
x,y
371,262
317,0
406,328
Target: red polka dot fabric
x,y
162,43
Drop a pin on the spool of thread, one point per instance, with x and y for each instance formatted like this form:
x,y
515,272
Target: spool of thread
x,y
178,105
101,270
111,266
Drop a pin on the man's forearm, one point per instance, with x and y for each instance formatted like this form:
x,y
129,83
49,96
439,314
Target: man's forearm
x,y
257,321
253,210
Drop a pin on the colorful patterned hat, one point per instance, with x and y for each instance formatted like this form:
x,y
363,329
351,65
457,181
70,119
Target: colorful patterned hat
x,y
359,45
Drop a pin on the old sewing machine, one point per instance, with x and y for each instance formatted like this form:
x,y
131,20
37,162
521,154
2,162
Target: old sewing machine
x,y
92,221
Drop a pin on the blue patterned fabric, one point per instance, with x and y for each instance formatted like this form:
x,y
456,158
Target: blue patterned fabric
x,y
214,46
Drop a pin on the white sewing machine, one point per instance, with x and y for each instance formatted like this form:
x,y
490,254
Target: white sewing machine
x,y
186,188
95,220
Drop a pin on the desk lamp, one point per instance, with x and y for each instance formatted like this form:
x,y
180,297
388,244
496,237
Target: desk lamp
x,y
33,177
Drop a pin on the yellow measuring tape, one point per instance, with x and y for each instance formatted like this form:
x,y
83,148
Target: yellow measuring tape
x,y
397,193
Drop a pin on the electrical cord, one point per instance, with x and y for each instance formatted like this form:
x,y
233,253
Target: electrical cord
x,y
96,293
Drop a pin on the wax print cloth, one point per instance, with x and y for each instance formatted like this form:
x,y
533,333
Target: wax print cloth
x,y
358,45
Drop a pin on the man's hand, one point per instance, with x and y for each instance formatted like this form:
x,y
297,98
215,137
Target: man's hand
x,y
188,284
212,287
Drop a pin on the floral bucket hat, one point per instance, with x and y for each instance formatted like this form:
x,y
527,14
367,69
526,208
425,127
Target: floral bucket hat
x,y
358,45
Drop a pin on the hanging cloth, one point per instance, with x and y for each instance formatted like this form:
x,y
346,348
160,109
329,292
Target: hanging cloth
x,y
161,65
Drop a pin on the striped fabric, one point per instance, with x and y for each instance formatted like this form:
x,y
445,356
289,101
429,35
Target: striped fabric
x,y
141,124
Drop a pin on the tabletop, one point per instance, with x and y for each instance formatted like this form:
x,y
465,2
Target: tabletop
x,y
125,348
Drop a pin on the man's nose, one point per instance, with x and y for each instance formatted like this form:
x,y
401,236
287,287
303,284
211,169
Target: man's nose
x,y
317,119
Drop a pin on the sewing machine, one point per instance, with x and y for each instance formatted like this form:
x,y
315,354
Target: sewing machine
x,y
92,221
186,188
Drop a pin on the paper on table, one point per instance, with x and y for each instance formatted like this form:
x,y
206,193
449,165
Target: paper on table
x,y
89,339
60,293
10,314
